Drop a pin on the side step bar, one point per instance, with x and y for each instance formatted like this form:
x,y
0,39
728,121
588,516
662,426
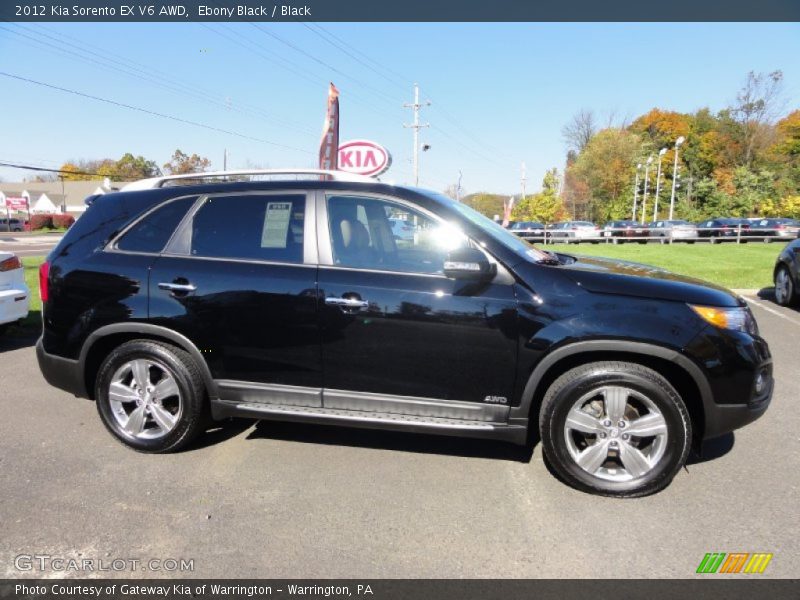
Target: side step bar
x,y
371,420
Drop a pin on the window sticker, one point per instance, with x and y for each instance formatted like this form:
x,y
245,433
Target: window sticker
x,y
276,224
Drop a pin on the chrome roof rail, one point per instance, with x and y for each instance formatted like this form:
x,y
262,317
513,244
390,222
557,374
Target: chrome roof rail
x,y
157,182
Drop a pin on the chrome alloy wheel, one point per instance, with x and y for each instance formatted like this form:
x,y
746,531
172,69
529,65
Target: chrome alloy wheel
x,y
615,433
144,399
783,286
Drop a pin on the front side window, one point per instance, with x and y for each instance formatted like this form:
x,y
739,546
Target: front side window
x,y
251,227
152,233
362,236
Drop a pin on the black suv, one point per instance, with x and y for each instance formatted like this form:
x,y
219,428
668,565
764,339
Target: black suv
x,y
292,300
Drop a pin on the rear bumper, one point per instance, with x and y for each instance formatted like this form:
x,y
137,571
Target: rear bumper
x,y
60,372
13,305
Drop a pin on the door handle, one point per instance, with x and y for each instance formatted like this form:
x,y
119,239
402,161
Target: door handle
x,y
347,302
183,288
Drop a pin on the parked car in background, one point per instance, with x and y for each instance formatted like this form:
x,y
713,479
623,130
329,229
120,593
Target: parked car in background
x,y
674,231
774,229
7,224
576,232
723,229
786,274
621,231
528,230
402,229
14,291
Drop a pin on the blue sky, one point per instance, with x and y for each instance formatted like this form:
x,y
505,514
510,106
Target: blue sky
x,y
500,92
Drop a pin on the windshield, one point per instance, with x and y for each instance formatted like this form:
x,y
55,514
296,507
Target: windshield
x,y
497,231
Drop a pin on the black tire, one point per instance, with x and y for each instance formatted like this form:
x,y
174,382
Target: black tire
x,y
193,415
573,385
790,297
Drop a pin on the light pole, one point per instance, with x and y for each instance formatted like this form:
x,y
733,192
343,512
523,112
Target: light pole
x,y
646,180
661,153
678,143
636,189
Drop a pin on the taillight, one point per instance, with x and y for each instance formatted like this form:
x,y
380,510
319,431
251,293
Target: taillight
x,y
10,264
781,227
44,275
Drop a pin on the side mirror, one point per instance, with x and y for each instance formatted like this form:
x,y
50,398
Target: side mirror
x,y
468,263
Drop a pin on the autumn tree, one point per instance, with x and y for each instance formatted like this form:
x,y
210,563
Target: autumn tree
x,y
544,207
756,107
489,205
579,130
182,163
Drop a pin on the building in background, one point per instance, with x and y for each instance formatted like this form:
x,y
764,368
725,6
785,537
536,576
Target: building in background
x,y
54,197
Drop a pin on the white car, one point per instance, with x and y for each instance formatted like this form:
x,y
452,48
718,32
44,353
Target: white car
x,y
14,292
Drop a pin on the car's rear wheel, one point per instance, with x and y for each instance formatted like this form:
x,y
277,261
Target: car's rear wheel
x,y
784,287
150,396
615,429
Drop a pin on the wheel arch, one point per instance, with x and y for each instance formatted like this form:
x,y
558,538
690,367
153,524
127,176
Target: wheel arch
x,y
680,371
103,340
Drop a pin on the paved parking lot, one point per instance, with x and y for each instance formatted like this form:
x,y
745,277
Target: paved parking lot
x,y
27,244
288,500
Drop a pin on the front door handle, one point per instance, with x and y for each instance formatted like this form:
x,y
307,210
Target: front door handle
x,y
347,302
180,288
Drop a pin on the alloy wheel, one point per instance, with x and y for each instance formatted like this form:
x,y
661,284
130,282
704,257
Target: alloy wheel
x,y
784,289
144,399
616,433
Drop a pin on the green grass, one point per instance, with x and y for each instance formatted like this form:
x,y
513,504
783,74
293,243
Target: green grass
x,y
735,266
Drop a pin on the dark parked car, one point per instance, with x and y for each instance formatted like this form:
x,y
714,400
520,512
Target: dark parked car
x,y
774,229
292,300
723,229
621,231
7,224
786,274
528,230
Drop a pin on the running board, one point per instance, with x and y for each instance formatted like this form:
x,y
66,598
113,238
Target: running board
x,y
371,420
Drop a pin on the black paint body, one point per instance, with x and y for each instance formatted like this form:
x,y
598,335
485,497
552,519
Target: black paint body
x,y
420,336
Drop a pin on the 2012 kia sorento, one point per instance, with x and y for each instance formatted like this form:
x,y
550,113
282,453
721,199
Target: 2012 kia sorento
x,y
291,299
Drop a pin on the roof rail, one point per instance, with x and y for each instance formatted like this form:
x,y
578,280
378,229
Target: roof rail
x,y
157,182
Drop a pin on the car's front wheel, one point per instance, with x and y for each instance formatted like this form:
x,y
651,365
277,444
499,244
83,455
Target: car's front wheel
x,y
615,429
784,287
150,396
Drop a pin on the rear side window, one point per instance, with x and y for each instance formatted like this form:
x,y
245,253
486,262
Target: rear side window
x,y
255,227
152,233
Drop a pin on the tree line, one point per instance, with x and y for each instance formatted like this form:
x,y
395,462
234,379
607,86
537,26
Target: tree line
x,y
741,161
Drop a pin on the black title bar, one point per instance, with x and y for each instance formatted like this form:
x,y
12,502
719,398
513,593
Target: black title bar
x,y
139,11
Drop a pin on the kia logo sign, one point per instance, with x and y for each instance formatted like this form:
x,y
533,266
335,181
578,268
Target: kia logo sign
x,y
363,158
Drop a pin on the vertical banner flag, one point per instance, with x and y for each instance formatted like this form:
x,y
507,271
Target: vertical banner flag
x,y
508,205
329,146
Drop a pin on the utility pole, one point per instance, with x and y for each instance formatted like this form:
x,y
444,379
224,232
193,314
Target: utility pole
x,y
678,143
523,180
636,189
458,187
225,159
416,126
646,181
661,153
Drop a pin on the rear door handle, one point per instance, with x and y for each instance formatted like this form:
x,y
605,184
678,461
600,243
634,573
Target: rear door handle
x,y
347,302
183,288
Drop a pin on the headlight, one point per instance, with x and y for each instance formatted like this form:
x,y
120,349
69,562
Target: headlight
x,y
736,319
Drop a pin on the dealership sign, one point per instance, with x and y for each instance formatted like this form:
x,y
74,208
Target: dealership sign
x,y
16,203
364,158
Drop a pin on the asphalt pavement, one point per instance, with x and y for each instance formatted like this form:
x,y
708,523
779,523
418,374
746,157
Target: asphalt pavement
x,y
26,244
287,500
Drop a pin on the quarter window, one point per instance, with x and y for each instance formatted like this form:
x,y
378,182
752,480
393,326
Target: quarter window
x,y
256,227
372,233
152,233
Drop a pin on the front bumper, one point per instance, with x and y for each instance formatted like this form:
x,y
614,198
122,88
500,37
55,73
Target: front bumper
x,y
63,373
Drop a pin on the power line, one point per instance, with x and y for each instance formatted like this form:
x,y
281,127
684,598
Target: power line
x,y
169,84
32,168
152,112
